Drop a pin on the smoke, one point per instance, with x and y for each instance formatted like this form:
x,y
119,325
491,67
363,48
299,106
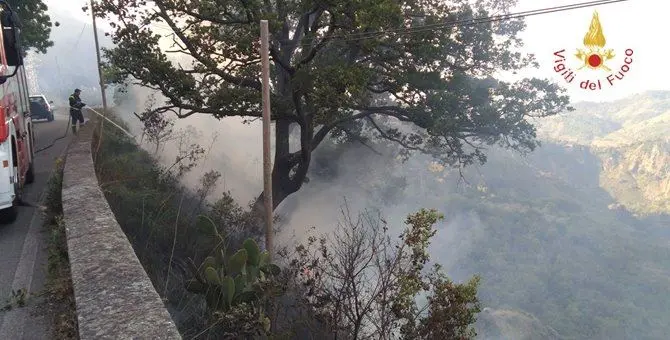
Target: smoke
x,y
367,180
234,148
356,175
31,74
378,181
71,63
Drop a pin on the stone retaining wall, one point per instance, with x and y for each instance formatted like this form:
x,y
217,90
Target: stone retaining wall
x,y
114,296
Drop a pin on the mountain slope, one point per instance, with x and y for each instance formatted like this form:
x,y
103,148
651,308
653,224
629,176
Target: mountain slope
x,y
508,324
555,235
548,243
632,139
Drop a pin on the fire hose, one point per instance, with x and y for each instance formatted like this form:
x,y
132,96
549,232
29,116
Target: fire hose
x,y
23,202
67,129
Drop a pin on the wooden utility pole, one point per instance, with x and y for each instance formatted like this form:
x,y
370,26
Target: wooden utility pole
x,y
97,52
267,166
102,82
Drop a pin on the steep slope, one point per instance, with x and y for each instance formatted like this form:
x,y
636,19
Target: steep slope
x,y
557,246
508,324
546,241
632,138
638,175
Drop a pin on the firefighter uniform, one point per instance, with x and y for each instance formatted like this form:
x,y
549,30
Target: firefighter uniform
x,y
75,109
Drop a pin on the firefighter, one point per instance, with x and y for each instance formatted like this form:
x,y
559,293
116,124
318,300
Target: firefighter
x,y
75,110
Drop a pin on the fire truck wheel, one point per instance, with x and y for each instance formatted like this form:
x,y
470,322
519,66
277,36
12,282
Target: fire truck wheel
x,y
9,215
30,175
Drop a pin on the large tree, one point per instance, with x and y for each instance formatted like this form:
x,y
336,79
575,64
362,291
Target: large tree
x,y
387,68
35,24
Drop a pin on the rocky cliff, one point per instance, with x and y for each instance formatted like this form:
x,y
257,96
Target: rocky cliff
x,y
632,139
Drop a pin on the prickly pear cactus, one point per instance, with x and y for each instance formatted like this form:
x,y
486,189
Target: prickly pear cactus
x,y
240,278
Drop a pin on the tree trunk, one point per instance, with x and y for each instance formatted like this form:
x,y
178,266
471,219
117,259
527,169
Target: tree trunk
x,y
283,184
289,169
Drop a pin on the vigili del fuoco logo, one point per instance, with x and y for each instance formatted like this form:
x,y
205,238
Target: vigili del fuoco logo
x,y
594,56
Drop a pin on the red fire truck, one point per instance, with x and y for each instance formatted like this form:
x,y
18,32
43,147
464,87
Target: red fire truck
x,y
16,130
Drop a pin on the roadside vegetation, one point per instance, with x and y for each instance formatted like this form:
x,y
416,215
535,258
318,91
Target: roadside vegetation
x,y
203,256
163,219
59,293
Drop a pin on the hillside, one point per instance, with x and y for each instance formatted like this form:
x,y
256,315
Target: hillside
x,y
507,324
558,254
546,240
631,137
553,233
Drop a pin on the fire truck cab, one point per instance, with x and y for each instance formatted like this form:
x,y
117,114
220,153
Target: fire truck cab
x,y
16,129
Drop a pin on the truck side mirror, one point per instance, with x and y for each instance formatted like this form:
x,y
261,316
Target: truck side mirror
x,y
10,36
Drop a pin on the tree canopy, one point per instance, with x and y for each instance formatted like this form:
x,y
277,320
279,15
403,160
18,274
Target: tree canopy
x,y
35,24
346,69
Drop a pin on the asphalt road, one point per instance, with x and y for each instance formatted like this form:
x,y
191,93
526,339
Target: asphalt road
x,y
23,254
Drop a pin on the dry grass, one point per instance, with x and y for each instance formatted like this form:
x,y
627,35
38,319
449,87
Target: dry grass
x,y
59,299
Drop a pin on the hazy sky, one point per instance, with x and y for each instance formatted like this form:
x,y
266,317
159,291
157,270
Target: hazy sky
x,y
636,24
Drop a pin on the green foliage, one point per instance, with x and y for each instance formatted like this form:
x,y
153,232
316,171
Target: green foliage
x,y
17,299
545,242
630,138
360,284
161,218
330,80
36,24
112,74
416,239
243,282
54,201
450,304
235,281
451,307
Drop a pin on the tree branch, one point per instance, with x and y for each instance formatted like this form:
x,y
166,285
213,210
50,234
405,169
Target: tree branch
x,y
360,140
393,139
252,83
324,130
313,51
214,20
275,56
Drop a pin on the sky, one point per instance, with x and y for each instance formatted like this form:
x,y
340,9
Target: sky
x,y
632,24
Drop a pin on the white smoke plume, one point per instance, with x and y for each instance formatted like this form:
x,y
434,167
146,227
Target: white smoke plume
x,y
366,179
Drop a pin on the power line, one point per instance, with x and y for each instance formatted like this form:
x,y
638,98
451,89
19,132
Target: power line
x,y
465,22
79,37
449,24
